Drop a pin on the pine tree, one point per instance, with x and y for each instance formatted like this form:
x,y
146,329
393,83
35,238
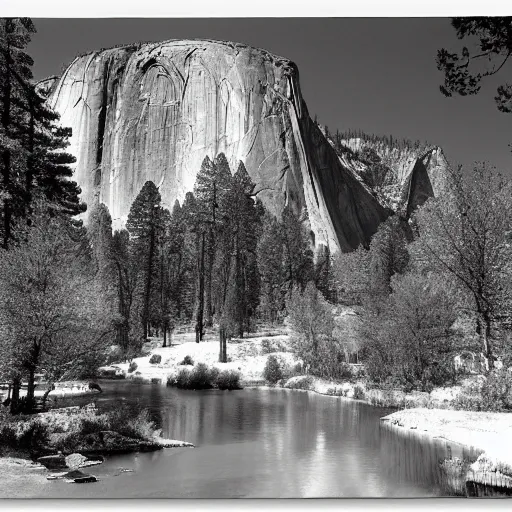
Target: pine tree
x,y
31,143
15,74
212,184
144,225
244,220
298,257
323,277
127,277
388,254
270,267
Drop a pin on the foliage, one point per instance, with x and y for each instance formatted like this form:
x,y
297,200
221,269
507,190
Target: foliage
x,y
304,382
145,226
187,360
312,323
410,340
200,377
32,144
155,359
271,270
273,372
269,345
465,236
26,435
463,73
359,393
132,367
51,321
497,391
228,379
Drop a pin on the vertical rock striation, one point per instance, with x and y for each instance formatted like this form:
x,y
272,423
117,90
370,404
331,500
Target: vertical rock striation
x,y
154,111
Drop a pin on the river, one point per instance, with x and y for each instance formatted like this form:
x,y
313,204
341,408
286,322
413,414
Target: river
x,y
260,443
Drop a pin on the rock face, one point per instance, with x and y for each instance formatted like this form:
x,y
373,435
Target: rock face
x,y
154,111
414,174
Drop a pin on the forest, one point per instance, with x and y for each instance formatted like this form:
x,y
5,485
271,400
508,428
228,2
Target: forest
x,y
428,287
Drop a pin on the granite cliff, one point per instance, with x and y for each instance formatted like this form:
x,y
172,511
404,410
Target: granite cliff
x,y
401,178
154,111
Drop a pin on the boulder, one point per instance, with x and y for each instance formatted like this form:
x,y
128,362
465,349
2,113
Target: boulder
x,y
53,462
78,477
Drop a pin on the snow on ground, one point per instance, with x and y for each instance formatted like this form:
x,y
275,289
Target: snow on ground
x,y
247,356
485,431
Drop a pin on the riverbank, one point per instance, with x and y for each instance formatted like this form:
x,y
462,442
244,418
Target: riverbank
x,y
485,432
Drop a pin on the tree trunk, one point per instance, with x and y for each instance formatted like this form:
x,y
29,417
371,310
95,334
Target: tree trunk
x,y
200,306
165,337
222,335
30,400
209,305
15,399
147,295
483,329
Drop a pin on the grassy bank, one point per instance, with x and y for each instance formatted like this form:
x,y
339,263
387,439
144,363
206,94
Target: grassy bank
x,y
83,430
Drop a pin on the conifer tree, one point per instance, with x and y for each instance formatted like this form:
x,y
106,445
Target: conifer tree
x,y
244,219
270,267
212,184
31,144
298,257
144,225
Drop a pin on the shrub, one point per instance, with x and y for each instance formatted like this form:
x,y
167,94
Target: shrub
x,y
187,360
272,371
131,421
497,391
409,338
132,367
228,379
305,383
155,359
268,346
359,393
201,377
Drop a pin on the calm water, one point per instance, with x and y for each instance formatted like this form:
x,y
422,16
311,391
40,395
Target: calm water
x,y
260,443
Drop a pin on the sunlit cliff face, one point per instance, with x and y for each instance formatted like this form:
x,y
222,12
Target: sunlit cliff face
x,y
154,111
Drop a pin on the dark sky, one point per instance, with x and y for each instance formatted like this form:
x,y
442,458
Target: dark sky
x,y
376,74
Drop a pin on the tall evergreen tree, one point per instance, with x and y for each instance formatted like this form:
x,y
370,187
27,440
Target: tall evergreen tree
x,y
244,216
298,256
144,225
31,143
270,267
212,184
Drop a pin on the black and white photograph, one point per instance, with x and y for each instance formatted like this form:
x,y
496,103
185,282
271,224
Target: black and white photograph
x,y
255,257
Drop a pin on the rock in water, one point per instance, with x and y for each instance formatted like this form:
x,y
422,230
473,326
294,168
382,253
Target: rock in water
x,y
75,460
154,111
53,461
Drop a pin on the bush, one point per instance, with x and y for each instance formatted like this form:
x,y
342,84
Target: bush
x,y
228,379
23,434
359,393
132,367
155,359
187,360
268,346
200,377
495,394
497,391
305,383
336,391
272,371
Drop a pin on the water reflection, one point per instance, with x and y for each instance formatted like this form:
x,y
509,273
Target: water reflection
x,y
266,443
